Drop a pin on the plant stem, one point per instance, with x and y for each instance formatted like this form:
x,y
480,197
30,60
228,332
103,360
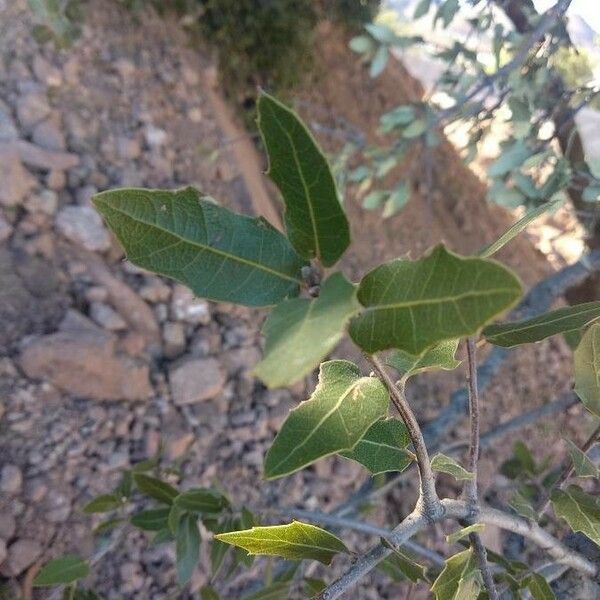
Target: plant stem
x,y
428,496
471,492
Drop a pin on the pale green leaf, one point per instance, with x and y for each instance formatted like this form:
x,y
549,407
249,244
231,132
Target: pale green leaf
x,y
413,305
579,509
382,33
422,9
301,332
103,503
527,331
538,587
415,129
218,254
444,464
314,218
373,199
584,467
587,369
459,580
400,567
151,520
519,226
396,201
440,356
447,11
379,61
155,488
201,500
465,531
61,571
340,411
591,193
280,590
293,541
511,157
361,44
187,547
523,506
383,448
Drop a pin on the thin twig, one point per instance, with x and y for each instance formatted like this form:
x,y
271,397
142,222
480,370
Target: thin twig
x,y
428,494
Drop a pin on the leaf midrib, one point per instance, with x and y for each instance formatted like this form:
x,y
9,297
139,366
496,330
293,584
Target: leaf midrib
x,y
205,247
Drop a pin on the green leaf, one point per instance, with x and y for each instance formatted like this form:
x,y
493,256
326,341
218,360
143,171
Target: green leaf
x,y
539,328
591,193
301,332
383,448
208,593
103,503
465,531
187,547
523,506
510,158
399,116
61,571
155,488
152,519
382,33
337,415
314,218
412,305
445,464
294,541
579,509
379,62
584,467
399,567
415,129
218,254
587,369
276,591
373,199
538,587
175,514
396,201
440,356
447,11
519,226
422,9
361,44
459,580
314,586
201,500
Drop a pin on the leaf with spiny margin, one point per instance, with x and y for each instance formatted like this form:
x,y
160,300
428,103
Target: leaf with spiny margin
x,y
557,321
337,415
383,448
218,254
465,531
411,305
62,571
587,369
440,356
459,580
444,464
301,332
155,488
293,541
579,509
519,226
538,587
584,467
187,547
314,218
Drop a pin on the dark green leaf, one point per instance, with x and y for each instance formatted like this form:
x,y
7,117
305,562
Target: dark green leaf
x,y
175,514
201,500
422,9
587,369
151,520
383,447
579,509
155,488
107,526
510,158
314,586
340,411
301,332
61,571
412,305
539,328
103,503
584,467
440,356
459,579
276,591
162,537
400,567
187,547
218,254
538,587
447,11
315,221
445,464
208,593
294,541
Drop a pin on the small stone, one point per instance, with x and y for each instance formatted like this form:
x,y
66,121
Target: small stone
x,y
190,75
83,225
3,551
21,554
46,72
8,525
56,180
155,137
132,577
177,447
32,108
8,129
107,317
48,134
195,115
5,229
16,179
45,202
155,291
11,479
84,194
128,148
186,307
96,293
42,158
58,507
195,380
173,339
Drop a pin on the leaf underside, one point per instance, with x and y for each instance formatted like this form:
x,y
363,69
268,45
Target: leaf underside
x,y
301,332
445,464
579,509
218,254
314,218
412,305
340,411
440,356
587,369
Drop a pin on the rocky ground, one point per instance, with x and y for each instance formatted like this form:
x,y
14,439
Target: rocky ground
x,y
101,364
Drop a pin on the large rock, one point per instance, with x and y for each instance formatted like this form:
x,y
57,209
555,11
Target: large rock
x,y
83,225
82,359
196,379
16,181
